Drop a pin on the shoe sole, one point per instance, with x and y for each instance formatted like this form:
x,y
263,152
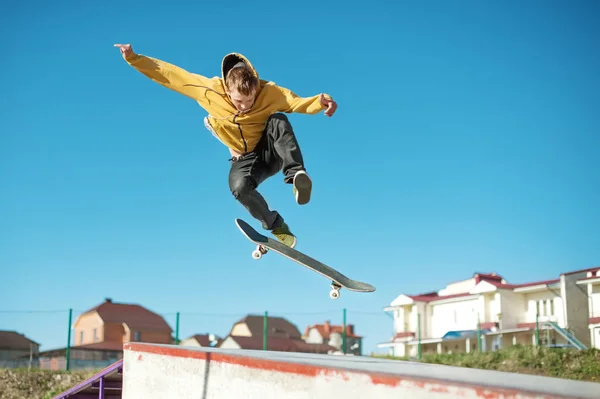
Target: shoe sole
x,y
303,186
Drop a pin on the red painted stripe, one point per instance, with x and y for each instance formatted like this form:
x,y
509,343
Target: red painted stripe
x,y
434,386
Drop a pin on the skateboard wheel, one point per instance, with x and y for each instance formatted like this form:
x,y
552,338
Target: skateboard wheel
x,y
334,293
256,254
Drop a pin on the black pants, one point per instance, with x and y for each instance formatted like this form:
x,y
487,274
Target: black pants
x,y
277,150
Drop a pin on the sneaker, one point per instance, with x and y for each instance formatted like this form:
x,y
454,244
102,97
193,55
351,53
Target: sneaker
x,y
302,187
283,234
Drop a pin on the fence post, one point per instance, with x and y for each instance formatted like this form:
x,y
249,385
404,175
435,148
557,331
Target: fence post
x,y
68,352
537,330
265,329
177,329
344,333
479,334
419,336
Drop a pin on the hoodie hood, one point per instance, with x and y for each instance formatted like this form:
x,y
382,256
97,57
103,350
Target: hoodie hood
x,y
233,59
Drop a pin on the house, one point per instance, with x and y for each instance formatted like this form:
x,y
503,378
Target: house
x,y
16,349
487,309
333,336
110,324
202,340
591,285
248,333
99,335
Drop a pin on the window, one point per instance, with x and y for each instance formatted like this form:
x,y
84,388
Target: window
x,y
137,336
95,335
81,337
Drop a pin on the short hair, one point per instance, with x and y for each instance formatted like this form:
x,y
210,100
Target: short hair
x,y
241,79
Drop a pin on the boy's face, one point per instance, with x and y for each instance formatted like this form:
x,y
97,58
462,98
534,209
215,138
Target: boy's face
x,y
241,102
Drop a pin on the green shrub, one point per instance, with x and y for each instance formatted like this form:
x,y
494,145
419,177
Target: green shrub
x,y
553,362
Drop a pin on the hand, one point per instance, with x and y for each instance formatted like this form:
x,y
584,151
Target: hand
x,y
330,104
126,50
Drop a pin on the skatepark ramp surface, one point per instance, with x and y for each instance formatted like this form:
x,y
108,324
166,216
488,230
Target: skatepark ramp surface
x,y
166,371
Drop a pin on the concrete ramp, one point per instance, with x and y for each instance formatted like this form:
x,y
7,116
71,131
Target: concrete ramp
x,y
165,371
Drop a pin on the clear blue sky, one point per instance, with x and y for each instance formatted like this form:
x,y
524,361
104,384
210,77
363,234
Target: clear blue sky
x,y
466,140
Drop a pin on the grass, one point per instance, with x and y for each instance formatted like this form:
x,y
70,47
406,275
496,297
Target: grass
x,y
38,384
571,364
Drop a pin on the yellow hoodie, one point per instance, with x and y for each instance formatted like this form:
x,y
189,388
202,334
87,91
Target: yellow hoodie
x,y
240,132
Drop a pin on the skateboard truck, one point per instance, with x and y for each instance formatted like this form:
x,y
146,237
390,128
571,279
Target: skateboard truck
x,y
259,252
335,290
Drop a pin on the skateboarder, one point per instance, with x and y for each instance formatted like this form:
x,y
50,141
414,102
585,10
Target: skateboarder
x,y
246,113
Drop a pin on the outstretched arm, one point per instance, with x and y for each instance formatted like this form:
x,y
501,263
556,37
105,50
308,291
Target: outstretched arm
x,y
168,75
291,102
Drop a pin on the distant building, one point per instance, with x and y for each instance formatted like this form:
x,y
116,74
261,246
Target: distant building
x,y
110,324
282,336
99,335
590,283
16,349
333,335
503,314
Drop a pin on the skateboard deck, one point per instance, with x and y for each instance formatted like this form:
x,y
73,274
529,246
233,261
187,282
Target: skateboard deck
x,y
264,244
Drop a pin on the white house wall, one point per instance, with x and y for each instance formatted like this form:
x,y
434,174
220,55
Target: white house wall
x,y
241,330
229,343
595,336
314,337
549,305
512,306
493,307
399,320
595,302
189,342
454,316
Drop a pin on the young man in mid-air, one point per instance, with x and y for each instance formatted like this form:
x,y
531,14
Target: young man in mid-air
x,y
246,114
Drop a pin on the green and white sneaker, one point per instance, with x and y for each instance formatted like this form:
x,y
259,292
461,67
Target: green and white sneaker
x,y
283,234
302,187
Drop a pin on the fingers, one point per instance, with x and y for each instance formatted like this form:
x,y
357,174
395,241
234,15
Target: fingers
x,y
123,47
331,108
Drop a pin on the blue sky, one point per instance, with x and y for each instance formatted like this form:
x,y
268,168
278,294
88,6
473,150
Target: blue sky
x,y
466,140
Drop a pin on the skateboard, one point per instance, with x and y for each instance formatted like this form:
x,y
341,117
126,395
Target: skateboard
x,y
264,244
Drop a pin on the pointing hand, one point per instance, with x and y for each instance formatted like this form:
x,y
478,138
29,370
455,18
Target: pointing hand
x,y
125,49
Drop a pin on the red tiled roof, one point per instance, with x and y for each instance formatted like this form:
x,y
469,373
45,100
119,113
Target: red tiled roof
x,y
435,297
135,316
325,330
532,284
489,277
594,320
12,340
492,278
